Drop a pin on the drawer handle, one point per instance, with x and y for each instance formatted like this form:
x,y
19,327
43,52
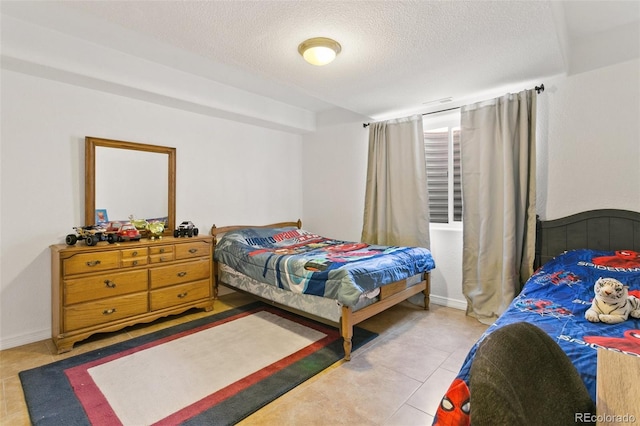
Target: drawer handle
x,y
109,283
93,263
182,295
161,250
134,263
108,311
182,274
193,250
163,259
135,253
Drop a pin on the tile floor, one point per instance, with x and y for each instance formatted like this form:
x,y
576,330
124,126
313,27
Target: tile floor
x,y
396,379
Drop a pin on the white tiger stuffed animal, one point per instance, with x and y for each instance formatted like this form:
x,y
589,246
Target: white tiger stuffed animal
x,y
612,303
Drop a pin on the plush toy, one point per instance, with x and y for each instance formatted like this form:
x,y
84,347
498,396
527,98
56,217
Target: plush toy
x,y
612,303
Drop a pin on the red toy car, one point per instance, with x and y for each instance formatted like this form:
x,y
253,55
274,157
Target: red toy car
x,y
117,232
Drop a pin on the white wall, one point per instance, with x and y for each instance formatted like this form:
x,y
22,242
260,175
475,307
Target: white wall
x,y
334,174
227,173
590,153
588,158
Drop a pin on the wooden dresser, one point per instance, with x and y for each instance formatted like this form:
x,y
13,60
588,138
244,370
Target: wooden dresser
x,y
111,286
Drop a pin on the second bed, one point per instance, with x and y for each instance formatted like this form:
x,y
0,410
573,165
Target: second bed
x,y
340,283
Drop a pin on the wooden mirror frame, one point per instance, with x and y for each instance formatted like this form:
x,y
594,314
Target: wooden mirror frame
x,y
90,175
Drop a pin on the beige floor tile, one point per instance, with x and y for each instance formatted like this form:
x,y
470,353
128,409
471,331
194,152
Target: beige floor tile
x,y
307,406
395,319
415,358
14,360
428,397
409,416
17,418
375,391
447,338
455,360
13,396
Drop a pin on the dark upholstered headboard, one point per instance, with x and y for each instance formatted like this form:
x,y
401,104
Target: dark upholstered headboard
x,y
607,229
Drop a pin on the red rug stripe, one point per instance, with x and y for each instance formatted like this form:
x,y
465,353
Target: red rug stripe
x,y
100,412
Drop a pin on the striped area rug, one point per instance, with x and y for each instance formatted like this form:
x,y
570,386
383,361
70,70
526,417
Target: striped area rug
x,y
214,370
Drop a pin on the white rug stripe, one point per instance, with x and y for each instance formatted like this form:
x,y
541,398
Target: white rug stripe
x,y
185,370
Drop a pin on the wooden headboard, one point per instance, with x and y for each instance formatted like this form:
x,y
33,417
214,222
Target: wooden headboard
x,y
607,229
215,231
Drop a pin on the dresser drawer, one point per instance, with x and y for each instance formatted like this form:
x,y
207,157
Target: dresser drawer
x,y
161,254
104,310
179,294
91,262
163,276
160,250
106,285
161,258
194,249
134,257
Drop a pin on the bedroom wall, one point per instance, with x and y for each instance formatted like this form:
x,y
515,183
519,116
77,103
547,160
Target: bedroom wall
x,y
227,173
591,125
588,158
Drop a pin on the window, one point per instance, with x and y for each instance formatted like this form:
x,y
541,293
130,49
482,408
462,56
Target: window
x,y
442,156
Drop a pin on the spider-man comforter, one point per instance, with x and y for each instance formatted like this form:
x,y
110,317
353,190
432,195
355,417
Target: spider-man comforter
x,y
555,299
299,261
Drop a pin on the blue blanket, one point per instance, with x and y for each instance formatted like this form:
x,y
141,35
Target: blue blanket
x,y
302,262
555,299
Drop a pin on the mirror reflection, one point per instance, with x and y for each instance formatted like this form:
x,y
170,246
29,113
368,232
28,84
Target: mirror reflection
x,y
131,183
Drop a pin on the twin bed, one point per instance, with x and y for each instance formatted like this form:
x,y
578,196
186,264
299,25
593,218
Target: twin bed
x,y
336,282
571,254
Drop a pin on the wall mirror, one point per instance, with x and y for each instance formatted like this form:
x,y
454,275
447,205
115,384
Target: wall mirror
x,y
124,179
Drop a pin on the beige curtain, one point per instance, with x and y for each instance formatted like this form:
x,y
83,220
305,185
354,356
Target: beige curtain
x,y
396,210
498,190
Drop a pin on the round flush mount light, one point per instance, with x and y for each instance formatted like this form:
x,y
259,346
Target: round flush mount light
x,y
319,50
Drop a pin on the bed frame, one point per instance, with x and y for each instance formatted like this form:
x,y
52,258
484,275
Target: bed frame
x,y
606,229
390,294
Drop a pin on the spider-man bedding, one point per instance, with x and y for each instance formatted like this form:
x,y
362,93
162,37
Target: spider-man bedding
x,y
555,299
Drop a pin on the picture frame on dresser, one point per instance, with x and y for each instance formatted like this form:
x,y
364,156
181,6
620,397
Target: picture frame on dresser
x,y
101,216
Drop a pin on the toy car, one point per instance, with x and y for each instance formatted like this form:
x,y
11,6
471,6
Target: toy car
x,y
91,234
117,232
186,229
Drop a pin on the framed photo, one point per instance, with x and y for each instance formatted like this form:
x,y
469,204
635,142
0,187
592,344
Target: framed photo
x,y
101,216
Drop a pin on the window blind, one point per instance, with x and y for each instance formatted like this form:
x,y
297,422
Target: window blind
x,y
443,175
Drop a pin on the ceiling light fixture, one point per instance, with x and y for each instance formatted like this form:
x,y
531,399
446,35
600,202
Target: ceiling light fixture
x,y
319,50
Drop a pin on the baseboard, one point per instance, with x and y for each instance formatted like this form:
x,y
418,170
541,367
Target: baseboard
x,y
450,303
24,339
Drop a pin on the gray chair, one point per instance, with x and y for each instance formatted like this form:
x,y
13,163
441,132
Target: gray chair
x,y
520,376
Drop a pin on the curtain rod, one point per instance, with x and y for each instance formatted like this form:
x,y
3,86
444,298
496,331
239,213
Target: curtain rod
x,y
538,89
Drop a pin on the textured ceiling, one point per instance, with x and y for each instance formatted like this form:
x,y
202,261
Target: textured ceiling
x,y
396,55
